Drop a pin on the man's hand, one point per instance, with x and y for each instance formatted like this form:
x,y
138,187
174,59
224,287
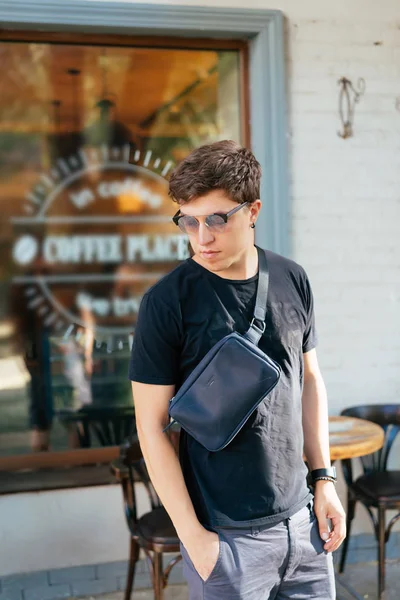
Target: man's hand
x,y
328,506
203,550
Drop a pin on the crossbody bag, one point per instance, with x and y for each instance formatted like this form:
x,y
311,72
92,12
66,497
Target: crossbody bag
x,y
233,378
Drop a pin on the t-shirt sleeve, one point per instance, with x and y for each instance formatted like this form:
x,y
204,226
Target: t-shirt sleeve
x,y
156,343
310,339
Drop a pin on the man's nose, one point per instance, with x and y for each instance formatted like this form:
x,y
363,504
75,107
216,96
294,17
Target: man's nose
x,y
204,235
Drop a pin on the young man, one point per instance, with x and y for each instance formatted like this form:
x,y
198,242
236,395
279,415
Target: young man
x,y
250,529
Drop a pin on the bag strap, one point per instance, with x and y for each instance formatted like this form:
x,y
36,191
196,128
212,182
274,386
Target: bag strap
x,y
257,325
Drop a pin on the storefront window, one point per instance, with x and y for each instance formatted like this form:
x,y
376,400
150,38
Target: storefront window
x,y
88,136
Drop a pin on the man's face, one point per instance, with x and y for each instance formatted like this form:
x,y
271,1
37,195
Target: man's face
x,y
219,250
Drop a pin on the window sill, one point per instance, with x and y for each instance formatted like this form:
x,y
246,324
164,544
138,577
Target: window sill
x,y
16,482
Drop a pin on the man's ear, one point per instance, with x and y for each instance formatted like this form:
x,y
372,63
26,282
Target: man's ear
x,y
255,208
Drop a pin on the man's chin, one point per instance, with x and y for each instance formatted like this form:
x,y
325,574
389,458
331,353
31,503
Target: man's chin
x,y
205,259
215,263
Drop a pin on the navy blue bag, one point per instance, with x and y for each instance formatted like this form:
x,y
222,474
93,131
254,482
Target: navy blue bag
x,y
233,378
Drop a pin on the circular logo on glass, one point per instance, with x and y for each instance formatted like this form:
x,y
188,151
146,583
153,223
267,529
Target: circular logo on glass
x,y
96,234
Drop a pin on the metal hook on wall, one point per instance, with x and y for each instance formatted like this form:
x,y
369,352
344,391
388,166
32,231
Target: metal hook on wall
x,y
347,104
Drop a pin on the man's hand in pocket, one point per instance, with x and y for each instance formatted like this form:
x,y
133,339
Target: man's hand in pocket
x,y
203,550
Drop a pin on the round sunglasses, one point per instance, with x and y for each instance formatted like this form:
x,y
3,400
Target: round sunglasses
x,y
215,222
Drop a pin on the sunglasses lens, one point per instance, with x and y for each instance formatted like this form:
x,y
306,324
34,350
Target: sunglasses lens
x,y
215,222
188,224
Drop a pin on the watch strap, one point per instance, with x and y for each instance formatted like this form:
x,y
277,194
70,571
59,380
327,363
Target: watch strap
x,y
328,472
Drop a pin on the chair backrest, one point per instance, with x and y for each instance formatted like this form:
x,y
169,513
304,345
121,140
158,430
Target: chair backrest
x,y
110,426
388,417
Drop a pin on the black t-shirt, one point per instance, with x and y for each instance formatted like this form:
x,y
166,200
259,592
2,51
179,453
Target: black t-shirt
x,y
260,477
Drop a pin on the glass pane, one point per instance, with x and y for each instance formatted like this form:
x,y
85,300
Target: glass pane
x,y
88,135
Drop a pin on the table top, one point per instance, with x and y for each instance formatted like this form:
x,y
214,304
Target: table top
x,y
350,437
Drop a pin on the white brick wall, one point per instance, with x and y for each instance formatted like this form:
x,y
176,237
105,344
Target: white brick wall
x,y
346,200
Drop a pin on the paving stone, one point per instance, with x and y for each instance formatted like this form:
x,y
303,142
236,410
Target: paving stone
x,y
353,542
364,540
392,552
96,587
362,556
176,575
364,579
25,580
369,553
392,544
72,574
142,581
11,594
50,592
111,596
142,566
114,569
121,583
167,558
172,592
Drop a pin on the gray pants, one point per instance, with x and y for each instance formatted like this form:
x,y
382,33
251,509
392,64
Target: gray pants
x,y
272,562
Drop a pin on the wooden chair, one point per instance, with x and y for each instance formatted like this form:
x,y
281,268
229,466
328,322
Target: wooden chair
x,y
154,532
377,487
107,426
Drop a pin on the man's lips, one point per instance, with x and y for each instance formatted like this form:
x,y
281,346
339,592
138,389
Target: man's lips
x,y
209,253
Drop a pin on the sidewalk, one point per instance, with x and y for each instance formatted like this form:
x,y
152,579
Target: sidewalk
x,y
362,577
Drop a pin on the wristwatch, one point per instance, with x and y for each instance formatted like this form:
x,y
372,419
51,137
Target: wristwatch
x,y
328,474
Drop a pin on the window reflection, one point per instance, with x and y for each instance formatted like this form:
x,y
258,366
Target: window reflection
x,y
88,135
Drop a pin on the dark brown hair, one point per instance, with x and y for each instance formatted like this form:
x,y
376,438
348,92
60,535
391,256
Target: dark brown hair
x,y
222,165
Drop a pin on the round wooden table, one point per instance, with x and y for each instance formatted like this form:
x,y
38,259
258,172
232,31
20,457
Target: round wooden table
x,y
350,437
